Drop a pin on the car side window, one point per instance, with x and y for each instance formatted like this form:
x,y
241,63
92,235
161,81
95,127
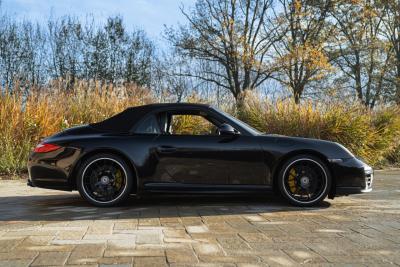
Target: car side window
x,y
187,124
148,126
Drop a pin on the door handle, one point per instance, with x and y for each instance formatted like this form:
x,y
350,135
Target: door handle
x,y
166,149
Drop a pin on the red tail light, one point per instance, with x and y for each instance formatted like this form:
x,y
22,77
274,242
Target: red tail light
x,y
44,148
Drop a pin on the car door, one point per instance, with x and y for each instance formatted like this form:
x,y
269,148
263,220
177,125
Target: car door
x,y
192,157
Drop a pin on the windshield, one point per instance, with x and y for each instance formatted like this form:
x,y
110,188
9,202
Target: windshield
x,y
239,122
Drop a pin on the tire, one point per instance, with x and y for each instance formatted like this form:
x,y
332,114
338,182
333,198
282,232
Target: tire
x,y
301,175
105,180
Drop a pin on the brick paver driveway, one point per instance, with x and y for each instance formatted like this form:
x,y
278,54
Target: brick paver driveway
x,y
44,227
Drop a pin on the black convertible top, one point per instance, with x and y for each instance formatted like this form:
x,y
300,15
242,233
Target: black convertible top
x,y
124,121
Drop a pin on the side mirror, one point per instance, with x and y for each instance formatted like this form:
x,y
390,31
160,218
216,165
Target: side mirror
x,y
226,129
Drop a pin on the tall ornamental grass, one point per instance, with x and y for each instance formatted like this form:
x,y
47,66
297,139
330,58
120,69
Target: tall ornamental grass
x,y
26,118
371,135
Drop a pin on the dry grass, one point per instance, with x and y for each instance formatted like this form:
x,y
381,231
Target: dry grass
x,y
371,135
25,119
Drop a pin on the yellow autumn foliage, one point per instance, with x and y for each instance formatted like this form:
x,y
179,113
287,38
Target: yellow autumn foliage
x,y
24,120
371,135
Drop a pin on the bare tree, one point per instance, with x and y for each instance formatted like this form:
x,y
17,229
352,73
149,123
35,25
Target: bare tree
x,y
34,54
173,83
139,58
237,35
301,55
72,50
66,43
10,52
391,30
361,55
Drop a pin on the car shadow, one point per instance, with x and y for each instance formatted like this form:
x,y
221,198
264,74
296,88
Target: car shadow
x,y
70,206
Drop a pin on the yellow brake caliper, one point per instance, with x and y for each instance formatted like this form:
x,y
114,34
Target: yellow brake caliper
x,y
118,179
292,180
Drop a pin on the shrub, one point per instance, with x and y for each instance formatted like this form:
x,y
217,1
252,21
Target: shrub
x,y
393,157
26,118
371,135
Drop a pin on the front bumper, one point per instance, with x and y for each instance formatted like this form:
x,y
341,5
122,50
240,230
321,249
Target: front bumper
x,y
352,176
369,178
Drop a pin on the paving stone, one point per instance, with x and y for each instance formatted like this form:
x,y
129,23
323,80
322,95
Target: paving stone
x,y
196,229
150,261
125,225
8,244
176,233
356,259
115,261
149,237
181,256
56,228
70,235
115,265
278,258
30,233
36,241
234,243
203,264
18,255
258,264
110,237
254,218
304,256
78,242
208,249
83,254
229,259
50,259
15,263
255,237
157,252
179,240
149,221
49,248
327,248
121,244
100,229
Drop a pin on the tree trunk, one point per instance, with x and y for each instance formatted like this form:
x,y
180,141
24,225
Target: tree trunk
x,y
296,98
297,92
359,87
240,101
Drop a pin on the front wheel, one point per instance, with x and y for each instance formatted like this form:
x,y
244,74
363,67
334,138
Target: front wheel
x,y
105,180
304,180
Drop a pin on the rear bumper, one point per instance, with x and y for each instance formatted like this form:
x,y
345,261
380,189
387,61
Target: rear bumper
x,y
52,170
352,176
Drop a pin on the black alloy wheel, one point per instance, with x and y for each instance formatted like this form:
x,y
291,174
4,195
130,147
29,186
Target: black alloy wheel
x,y
105,180
304,180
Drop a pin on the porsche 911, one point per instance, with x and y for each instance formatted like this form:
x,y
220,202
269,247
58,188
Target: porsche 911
x,y
191,149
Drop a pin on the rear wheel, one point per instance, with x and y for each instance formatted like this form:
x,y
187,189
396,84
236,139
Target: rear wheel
x,y
105,180
304,180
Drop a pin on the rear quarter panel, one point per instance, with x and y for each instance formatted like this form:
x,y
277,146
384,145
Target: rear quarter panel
x,y
135,149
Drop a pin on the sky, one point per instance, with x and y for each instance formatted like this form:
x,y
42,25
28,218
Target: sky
x,y
148,15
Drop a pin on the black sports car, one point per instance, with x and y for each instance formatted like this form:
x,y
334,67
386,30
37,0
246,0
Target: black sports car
x,y
191,148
